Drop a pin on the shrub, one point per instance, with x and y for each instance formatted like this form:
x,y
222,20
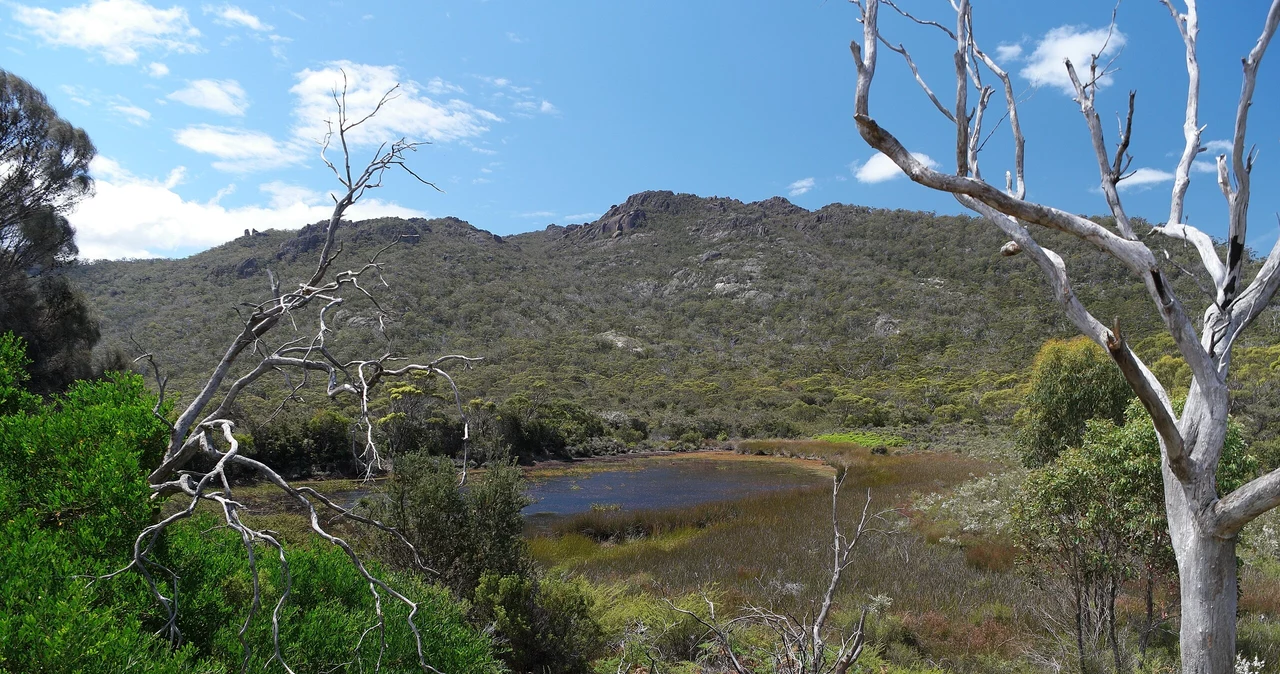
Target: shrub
x,y
73,494
460,533
328,610
543,625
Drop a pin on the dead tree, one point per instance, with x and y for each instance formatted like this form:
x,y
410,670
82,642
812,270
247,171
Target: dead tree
x,y
802,644
1203,524
202,434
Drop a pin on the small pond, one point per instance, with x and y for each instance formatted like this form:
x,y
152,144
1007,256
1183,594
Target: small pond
x,y
643,483
664,482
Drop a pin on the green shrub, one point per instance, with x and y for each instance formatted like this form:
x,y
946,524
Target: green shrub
x,y
460,533
328,610
73,495
543,625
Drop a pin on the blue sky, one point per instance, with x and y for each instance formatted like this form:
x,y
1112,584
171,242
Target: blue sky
x,y
205,115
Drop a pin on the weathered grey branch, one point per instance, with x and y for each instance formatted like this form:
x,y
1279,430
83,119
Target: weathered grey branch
x,y
1201,524
194,433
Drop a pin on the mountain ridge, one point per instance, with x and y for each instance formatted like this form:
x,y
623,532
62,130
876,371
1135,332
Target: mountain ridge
x,y
741,313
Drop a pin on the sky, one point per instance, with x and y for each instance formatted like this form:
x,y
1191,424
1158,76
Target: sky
x,y
206,116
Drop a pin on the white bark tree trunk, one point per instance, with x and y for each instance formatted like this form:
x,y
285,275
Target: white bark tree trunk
x,y
1207,575
1202,524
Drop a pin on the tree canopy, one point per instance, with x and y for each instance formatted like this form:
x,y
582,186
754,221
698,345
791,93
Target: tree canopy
x,y
44,172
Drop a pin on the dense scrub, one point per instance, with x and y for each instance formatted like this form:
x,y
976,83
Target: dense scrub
x,y
704,318
73,496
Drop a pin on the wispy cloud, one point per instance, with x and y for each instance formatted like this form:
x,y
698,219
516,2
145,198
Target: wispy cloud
x,y
538,214
118,30
880,168
1078,43
1008,52
231,15
1145,177
439,87
545,107
801,186
157,69
582,217
412,113
133,113
238,150
1217,147
223,96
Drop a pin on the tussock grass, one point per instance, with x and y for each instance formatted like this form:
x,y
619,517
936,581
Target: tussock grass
x,y
619,526
772,548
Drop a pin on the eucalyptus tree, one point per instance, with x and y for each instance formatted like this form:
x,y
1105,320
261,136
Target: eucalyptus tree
x,y
1203,523
44,172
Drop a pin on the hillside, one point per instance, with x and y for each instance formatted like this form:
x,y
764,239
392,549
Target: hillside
x,y
737,318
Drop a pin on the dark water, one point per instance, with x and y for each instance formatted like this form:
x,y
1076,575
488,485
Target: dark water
x,y
664,483
648,483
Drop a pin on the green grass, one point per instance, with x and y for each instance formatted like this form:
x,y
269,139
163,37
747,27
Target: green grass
x,y
869,439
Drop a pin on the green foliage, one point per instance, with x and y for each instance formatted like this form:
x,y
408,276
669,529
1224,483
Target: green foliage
x,y
78,465
14,397
1095,516
868,439
47,172
303,447
461,533
73,494
329,608
1071,383
543,625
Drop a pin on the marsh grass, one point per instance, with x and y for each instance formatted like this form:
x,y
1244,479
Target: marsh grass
x,y
772,549
618,526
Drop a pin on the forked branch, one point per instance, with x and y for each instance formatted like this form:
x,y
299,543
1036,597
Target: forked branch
x,y
204,430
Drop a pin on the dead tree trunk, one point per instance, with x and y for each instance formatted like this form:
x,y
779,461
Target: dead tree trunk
x,y
1202,523
204,430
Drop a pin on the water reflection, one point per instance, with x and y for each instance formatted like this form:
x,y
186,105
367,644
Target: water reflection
x,y
665,483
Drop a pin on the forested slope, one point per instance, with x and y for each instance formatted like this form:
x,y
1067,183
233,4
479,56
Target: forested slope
x,y
736,318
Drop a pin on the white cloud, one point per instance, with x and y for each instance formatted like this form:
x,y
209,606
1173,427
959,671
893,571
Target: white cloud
x,y
411,113
1145,177
515,38
538,214
800,187
1045,65
116,29
156,69
880,168
238,150
224,96
230,15
1008,52
130,216
1204,166
135,114
545,107
439,87
284,194
1217,147
581,217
